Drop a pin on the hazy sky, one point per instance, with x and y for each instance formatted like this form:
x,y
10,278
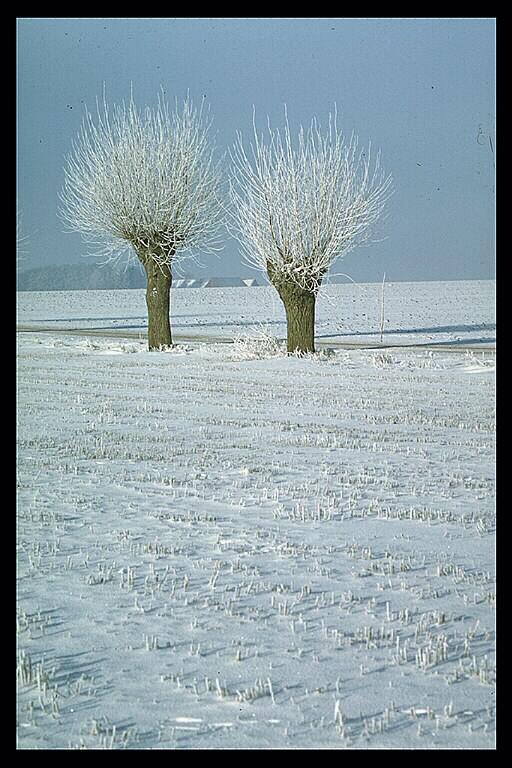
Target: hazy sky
x,y
423,90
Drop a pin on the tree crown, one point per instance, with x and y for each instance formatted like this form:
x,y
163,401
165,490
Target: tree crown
x,y
296,209
143,178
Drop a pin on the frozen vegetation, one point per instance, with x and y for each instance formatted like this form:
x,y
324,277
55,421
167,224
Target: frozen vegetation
x,y
220,546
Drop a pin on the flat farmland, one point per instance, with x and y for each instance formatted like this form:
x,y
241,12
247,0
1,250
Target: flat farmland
x,y
220,546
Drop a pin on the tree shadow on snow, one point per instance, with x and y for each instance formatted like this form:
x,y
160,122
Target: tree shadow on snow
x,y
433,329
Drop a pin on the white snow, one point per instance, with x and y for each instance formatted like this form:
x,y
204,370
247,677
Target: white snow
x,y
452,313
223,547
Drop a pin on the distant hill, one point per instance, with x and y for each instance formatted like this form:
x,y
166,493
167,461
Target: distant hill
x,y
91,277
76,277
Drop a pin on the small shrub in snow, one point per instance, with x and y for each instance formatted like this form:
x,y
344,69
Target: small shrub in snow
x,y
383,359
262,345
259,346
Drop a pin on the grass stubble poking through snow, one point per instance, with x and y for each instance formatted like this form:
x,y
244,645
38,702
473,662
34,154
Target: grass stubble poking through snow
x,y
223,547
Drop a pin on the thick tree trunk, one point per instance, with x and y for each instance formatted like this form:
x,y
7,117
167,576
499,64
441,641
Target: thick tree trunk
x,y
299,305
159,279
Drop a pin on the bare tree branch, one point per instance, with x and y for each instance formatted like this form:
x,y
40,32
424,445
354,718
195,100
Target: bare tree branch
x,y
21,240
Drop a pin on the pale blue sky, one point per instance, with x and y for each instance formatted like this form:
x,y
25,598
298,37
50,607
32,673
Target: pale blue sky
x,y
423,90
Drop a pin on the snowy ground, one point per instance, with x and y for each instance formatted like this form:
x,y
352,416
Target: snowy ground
x,y
222,547
449,313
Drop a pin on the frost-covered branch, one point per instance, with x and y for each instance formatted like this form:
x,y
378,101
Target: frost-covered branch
x,y
21,240
299,208
143,178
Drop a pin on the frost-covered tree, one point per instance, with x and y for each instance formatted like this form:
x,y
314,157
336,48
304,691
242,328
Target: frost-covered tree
x,y
145,181
298,208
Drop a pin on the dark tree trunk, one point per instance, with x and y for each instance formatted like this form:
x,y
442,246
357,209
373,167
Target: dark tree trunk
x,y
158,288
299,305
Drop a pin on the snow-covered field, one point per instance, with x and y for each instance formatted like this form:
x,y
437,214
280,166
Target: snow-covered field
x,y
223,547
451,313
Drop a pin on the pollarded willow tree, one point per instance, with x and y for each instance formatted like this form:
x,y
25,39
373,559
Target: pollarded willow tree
x,y
296,209
145,182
